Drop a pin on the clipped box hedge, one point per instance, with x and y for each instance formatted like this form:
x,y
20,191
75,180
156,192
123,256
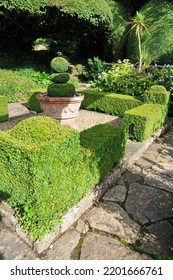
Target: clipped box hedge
x,y
107,145
157,94
143,120
33,102
47,168
109,103
3,109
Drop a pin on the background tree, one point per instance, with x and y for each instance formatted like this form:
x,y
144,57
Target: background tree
x,y
159,45
139,22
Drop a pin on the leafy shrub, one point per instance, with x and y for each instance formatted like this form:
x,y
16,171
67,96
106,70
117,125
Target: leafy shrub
x,y
124,79
61,90
60,78
142,121
42,78
157,94
162,76
59,64
95,68
45,170
3,109
110,103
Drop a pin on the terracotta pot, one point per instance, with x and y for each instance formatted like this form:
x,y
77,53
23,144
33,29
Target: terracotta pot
x,y
64,109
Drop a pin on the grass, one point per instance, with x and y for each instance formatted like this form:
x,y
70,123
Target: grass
x,y
18,76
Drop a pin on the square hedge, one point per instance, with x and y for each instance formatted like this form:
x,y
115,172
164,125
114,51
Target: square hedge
x,y
142,121
157,94
109,103
47,168
3,109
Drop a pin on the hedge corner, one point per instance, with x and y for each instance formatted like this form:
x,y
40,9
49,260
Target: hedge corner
x,y
4,116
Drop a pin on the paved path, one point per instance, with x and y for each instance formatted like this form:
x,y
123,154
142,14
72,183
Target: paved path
x,y
133,220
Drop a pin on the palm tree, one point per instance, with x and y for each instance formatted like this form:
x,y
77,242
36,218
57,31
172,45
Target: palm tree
x,y
139,23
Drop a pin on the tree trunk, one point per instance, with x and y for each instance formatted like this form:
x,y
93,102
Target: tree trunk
x,y
140,50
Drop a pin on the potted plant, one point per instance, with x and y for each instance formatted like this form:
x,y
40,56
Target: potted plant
x,y
61,100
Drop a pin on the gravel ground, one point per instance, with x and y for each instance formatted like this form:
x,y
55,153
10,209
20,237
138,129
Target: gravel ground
x,y
86,119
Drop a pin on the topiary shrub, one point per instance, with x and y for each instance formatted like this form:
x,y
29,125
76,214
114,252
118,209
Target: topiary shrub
x,y
142,121
61,90
157,94
3,109
60,78
47,168
109,103
59,64
74,81
61,87
33,103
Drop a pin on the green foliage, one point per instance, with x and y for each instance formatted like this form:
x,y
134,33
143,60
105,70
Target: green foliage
x,y
3,109
24,5
16,76
44,43
116,30
94,68
163,76
94,11
61,90
15,85
33,103
107,144
124,79
110,103
142,121
41,78
159,43
59,64
157,95
59,78
74,81
45,170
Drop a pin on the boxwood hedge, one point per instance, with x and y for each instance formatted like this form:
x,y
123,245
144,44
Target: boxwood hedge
x,y
47,168
157,94
143,120
3,109
110,103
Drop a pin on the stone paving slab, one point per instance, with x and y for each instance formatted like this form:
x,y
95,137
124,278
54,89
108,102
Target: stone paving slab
x,y
13,247
148,204
159,239
100,247
64,246
111,218
19,110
